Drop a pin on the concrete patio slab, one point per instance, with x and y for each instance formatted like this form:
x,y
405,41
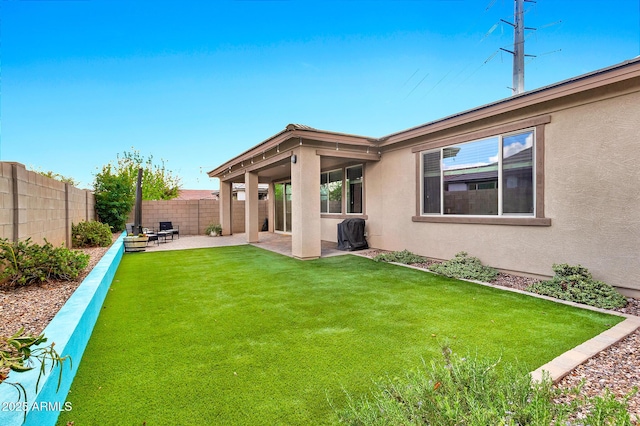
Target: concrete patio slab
x,y
278,243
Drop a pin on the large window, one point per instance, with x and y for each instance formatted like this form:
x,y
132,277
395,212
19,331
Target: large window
x,y
341,185
487,177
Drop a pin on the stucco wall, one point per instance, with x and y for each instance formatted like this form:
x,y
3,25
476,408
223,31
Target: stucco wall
x,y
591,195
37,207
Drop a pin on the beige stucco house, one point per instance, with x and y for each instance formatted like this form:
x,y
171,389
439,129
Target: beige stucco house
x,y
548,176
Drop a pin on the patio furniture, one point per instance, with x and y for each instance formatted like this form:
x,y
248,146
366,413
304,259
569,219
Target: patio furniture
x,y
151,234
169,228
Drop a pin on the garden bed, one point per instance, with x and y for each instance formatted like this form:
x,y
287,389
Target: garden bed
x,y
34,306
616,369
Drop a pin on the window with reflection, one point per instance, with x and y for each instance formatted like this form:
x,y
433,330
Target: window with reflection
x,y
487,177
331,192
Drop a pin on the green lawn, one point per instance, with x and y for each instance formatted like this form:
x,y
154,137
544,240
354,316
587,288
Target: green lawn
x,y
240,335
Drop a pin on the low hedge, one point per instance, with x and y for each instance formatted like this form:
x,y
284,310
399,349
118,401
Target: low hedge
x,y
575,283
91,234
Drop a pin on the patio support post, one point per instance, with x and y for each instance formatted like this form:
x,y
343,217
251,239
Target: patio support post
x,y
225,208
305,196
251,222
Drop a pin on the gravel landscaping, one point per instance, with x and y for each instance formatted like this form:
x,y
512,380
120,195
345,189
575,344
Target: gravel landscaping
x,y
616,368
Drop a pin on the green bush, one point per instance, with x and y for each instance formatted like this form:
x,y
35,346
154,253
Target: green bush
x,y
473,391
91,234
467,267
404,256
115,196
575,283
24,262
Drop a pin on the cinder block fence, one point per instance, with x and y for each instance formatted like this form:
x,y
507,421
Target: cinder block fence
x,y
37,207
193,216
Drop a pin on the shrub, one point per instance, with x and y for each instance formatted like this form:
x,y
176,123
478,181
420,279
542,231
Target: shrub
x,y
472,391
404,256
25,262
467,267
91,234
115,196
216,228
575,283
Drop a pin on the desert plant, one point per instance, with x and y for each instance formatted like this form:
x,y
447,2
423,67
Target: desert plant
x,y
472,391
466,267
91,234
214,228
17,353
575,283
25,262
404,256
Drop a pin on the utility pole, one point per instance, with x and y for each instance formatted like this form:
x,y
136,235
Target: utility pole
x,y
518,46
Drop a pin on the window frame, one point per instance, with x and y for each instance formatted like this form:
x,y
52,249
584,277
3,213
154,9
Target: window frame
x,y
342,179
498,183
537,124
343,214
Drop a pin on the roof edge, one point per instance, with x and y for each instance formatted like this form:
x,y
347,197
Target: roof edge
x,y
292,130
595,78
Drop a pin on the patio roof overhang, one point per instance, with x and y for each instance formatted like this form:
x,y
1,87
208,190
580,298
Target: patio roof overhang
x,y
271,159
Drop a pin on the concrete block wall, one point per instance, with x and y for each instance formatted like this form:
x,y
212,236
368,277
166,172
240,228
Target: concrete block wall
x,y
37,207
6,201
193,216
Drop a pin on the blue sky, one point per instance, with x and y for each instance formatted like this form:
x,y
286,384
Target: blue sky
x,y
196,83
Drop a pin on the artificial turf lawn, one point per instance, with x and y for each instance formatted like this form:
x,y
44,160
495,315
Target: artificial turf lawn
x,y
240,335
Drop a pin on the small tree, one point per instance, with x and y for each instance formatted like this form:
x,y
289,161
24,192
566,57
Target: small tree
x,y
115,186
114,198
158,183
57,176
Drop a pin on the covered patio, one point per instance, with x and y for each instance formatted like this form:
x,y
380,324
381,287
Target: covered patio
x,y
291,163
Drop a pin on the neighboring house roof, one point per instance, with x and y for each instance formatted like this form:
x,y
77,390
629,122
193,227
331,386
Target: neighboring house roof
x,y
195,194
489,171
471,177
263,188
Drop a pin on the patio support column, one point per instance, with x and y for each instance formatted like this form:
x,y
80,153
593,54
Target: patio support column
x,y
225,208
251,224
271,206
305,196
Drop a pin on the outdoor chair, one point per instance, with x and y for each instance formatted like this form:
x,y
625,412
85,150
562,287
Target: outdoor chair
x,y
167,226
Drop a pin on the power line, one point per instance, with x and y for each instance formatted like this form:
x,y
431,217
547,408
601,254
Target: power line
x,y
416,86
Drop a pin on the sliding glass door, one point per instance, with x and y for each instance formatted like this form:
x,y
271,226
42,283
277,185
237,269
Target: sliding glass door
x,y
283,207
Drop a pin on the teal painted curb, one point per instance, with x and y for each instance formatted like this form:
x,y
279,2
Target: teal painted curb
x,y
70,329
